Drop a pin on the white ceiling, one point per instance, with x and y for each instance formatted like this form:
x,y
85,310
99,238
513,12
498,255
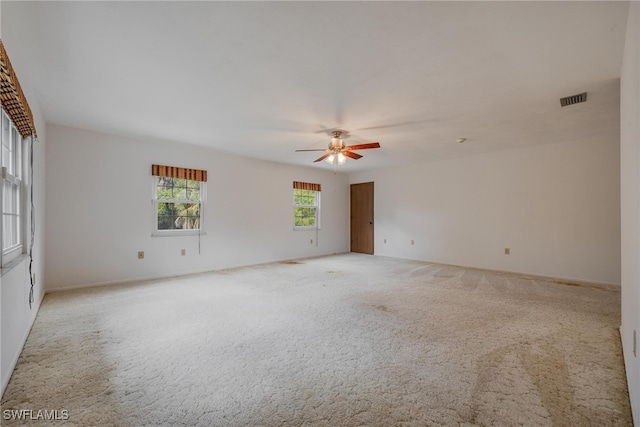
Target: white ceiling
x,y
262,79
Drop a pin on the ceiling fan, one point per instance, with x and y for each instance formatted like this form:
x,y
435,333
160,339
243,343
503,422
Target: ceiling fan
x,y
337,152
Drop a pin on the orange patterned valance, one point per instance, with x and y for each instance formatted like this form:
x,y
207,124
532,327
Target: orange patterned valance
x,y
13,100
306,186
176,172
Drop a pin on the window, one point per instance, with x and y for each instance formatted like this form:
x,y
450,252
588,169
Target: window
x,y
306,205
178,201
17,129
12,190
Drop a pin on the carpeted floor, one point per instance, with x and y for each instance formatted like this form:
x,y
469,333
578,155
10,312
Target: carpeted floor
x,y
346,340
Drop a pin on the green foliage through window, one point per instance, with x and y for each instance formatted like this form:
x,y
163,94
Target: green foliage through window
x,y
305,207
178,203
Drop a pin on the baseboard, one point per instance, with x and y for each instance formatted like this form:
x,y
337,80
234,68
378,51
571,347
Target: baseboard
x,y
559,279
16,356
126,281
634,394
176,276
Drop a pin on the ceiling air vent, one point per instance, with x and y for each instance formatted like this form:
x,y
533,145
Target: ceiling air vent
x,y
573,99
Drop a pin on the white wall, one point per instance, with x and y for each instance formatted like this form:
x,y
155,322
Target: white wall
x,y
630,202
100,214
16,317
555,206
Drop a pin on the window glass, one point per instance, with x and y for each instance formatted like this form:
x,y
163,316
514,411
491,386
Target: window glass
x,y
178,204
306,211
12,190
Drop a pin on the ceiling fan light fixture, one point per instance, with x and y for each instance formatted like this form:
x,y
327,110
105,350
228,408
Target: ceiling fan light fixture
x,y
336,153
341,159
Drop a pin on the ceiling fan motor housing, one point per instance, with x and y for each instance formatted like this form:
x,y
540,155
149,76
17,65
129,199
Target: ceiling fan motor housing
x,y
336,142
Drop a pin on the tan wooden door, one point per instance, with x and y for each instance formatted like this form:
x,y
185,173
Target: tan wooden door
x,y
362,218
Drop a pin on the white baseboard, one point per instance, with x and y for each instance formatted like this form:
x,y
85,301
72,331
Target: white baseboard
x,y
16,356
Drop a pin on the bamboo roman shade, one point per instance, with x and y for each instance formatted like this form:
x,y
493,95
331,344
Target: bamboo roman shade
x,y
176,172
306,186
13,100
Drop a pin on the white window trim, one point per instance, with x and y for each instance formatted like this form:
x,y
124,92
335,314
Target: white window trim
x,y
174,233
318,225
9,255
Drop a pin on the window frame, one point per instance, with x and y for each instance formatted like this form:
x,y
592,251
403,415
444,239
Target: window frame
x,y
155,232
13,175
316,207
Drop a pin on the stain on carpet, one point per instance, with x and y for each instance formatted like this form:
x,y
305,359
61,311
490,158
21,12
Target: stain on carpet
x,y
547,368
382,308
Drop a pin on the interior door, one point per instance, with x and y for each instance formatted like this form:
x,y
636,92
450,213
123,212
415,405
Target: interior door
x,y
362,218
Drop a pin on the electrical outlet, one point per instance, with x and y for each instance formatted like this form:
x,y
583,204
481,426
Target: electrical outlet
x,y
385,240
311,241
413,242
140,254
507,251
183,252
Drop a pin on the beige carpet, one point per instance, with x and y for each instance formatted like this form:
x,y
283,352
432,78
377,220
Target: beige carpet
x,y
347,340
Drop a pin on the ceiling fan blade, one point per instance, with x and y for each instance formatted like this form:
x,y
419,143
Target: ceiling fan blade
x,y
314,149
363,146
321,158
355,156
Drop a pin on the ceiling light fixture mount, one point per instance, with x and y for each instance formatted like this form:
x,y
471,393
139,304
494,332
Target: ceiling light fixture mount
x,y
335,147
